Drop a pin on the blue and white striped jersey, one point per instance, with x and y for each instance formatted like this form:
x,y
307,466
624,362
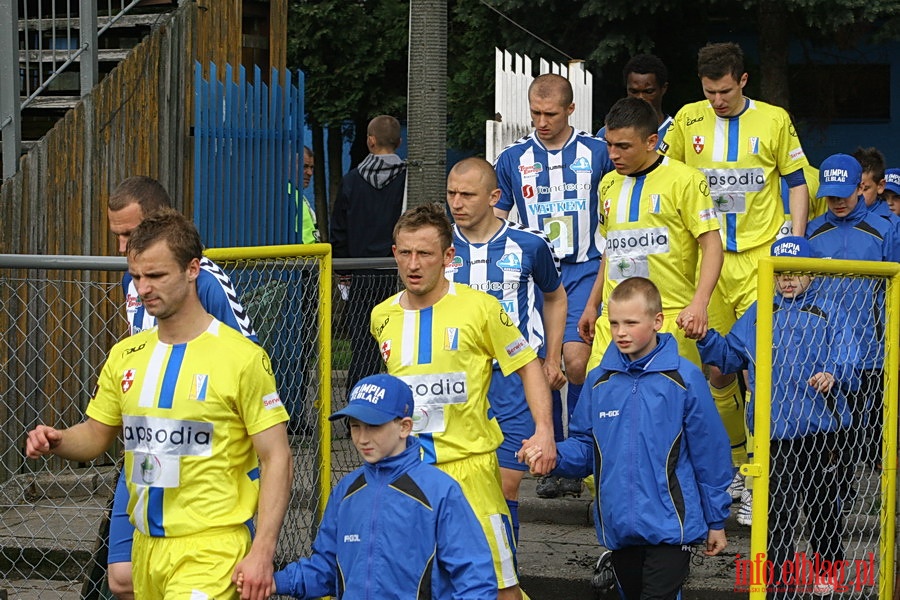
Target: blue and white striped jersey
x,y
556,191
514,266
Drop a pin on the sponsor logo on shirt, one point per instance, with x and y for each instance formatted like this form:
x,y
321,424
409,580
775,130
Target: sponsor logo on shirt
x,y
546,208
708,214
386,350
663,146
455,265
565,187
510,262
437,388
531,170
796,153
515,347
173,437
652,240
508,305
735,180
132,301
528,191
495,286
271,401
451,338
582,165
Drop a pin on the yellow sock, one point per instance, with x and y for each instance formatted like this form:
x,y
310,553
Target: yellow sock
x,y
730,405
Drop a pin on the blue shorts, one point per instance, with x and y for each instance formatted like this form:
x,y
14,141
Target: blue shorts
x,y
578,279
507,398
121,531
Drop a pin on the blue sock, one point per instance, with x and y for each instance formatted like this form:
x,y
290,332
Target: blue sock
x,y
557,416
514,517
574,391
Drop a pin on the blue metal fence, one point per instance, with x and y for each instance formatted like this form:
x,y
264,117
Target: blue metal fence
x,y
248,158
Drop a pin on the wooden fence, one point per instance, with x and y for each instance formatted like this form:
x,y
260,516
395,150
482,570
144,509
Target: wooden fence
x,y
513,75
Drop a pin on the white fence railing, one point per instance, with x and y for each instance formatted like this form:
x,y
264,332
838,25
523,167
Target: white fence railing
x,y
513,75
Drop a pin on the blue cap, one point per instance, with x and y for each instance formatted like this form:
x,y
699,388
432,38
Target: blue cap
x,y
839,176
892,180
793,246
377,399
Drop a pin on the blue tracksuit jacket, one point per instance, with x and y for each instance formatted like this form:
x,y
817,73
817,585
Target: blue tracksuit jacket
x,y
660,455
805,341
397,529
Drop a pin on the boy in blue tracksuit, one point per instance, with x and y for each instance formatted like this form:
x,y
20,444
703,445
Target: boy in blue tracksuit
x,y
396,528
809,370
647,428
850,231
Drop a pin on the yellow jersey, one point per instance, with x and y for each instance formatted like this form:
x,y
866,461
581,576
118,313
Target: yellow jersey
x,y
651,225
445,354
743,158
187,412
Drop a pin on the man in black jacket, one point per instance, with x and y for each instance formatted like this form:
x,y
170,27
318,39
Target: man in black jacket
x,y
369,202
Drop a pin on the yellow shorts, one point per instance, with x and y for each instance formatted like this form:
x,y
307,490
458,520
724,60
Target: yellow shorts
x,y
479,478
736,289
602,338
191,567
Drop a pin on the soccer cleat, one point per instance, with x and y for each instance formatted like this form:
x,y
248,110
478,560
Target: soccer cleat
x,y
736,487
745,509
604,579
570,487
548,487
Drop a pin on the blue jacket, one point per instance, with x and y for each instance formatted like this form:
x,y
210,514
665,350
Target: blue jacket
x,y
397,529
660,455
805,341
861,235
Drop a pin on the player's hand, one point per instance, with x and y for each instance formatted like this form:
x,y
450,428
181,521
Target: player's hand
x,y
544,442
586,324
553,371
41,441
694,320
822,382
529,455
715,542
256,577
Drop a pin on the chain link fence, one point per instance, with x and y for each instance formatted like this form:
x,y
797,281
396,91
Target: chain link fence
x,y
60,315
831,476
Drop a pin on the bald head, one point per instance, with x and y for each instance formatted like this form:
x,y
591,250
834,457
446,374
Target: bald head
x,y
475,165
551,85
384,133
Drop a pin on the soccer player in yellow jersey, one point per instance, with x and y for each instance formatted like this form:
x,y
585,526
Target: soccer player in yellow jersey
x,y
204,432
658,216
743,146
441,338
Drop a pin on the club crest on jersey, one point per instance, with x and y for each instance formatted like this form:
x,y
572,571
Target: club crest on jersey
x,y
582,165
698,143
386,350
654,203
606,204
528,191
753,145
198,387
531,170
451,338
510,262
127,380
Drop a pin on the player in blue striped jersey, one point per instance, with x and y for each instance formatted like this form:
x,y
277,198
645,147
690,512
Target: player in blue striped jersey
x,y
646,77
517,266
549,181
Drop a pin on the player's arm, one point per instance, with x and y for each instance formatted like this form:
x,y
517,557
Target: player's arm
x,y
537,395
798,198
82,442
554,314
591,308
276,474
695,319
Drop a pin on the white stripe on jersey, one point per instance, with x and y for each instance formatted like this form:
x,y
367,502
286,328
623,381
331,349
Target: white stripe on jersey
x,y
409,342
153,375
720,141
623,204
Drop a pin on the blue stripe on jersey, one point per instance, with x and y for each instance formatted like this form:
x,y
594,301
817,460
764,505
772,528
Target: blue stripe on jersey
x,y
731,232
253,474
425,318
428,454
155,511
170,378
634,203
734,130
